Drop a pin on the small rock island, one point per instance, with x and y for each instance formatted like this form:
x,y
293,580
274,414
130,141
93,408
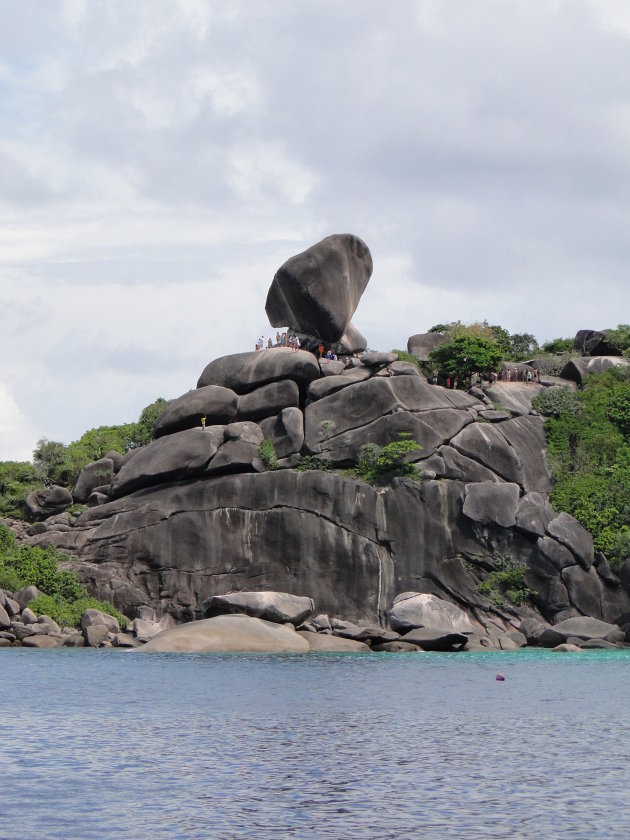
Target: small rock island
x,y
240,526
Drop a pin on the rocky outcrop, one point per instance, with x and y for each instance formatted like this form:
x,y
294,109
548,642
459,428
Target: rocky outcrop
x,y
224,508
42,504
422,345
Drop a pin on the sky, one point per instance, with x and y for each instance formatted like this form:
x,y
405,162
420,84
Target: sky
x,y
160,159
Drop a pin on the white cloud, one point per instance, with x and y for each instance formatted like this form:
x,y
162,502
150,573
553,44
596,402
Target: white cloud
x,y
159,160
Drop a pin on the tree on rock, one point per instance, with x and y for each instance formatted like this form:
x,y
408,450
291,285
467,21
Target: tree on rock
x,y
465,355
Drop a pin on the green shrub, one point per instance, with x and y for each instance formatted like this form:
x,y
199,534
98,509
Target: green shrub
x,y
312,462
63,597
506,581
379,465
555,402
267,453
404,356
68,613
17,480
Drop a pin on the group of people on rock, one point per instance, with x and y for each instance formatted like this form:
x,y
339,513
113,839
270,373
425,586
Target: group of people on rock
x,y
292,341
282,340
528,375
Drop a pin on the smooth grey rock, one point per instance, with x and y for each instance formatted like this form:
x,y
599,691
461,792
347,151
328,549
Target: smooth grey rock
x,y
557,554
484,443
583,627
577,369
21,631
598,644
96,618
321,622
533,514
433,638
374,358
268,400
491,415
571,533
324,387
73,640
214,402
42,641
175,456
96,498
449,463
286,432
566,648
491,504
271,606
422,345
125,640
49,624
144,630
228,634
330,367
11,606
415,609
5,620
316,292
93,475
242,372
532,629
28,616
516,397
603,569
399,368
116,458
95,635
25,595
352,341
50,501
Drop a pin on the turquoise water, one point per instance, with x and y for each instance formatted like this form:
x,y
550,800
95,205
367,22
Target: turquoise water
x,y
106,744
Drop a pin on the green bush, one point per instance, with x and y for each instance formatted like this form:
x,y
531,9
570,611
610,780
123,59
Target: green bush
x,y
379,465
506,581
267,454
554,402
465,355
404,356
63,597
17,480
312,462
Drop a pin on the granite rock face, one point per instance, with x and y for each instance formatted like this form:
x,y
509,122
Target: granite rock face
x,y
316,292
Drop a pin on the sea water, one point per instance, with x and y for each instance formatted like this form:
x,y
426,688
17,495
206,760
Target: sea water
x,y
110,744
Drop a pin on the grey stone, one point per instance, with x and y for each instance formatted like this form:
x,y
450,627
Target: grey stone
x,y
271,606
28,616
432,638
214,402
415,609
42,642
350,342
268,400
491,504
93,475
533,514
532,629
374,358
603,569
73,640
330,367
176,456
557,554
95,635
5,620
96,618
324,387
286,431
242,372
571,533
396,647
421,345
49,624
583,627
25,595
316,292
50,501
116,458
228,634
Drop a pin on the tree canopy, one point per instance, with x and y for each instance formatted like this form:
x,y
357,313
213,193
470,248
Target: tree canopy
x,y
465,355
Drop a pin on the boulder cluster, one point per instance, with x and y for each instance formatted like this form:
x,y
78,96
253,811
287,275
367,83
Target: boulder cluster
x,y
21,627
245,488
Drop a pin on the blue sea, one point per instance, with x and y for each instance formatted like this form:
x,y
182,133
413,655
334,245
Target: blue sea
x,y
111,744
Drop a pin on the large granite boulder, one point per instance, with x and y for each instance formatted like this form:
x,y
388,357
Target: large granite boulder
x,y
268,400
415,609
422,345
491,504
50,501
322,643
227,634
581,627
272,606
217,404
243,372
594,343
316,292
285,431
93,475
577,369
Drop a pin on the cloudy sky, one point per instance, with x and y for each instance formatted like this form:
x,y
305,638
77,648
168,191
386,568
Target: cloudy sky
x,y
160,159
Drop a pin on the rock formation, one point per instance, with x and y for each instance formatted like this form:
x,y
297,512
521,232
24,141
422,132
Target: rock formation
x,y
202,511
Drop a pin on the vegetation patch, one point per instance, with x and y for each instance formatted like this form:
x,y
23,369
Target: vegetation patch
x,y
507,581
379,465
64,598
267,453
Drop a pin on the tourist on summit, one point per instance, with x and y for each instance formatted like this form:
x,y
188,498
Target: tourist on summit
x,y
321,349
529,377
278,339
515,374
269,343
